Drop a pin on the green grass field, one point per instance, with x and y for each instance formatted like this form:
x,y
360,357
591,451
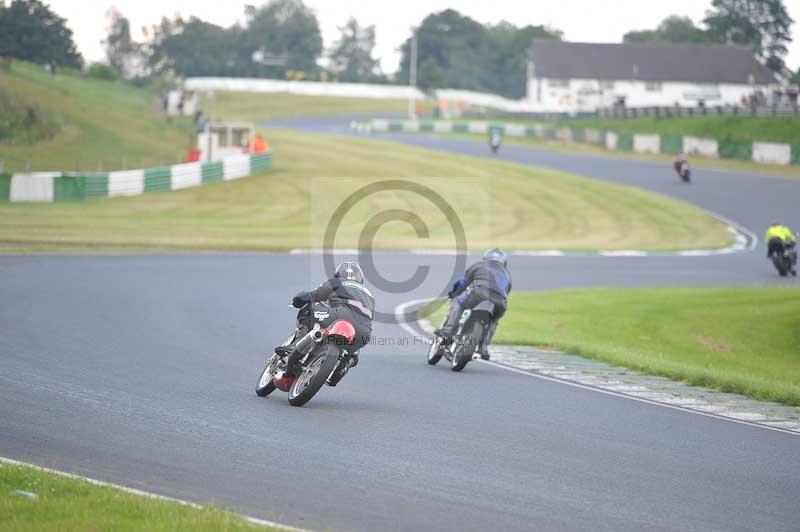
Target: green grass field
x,y
72,505
102,124
508,205
269,106
742,340
741,129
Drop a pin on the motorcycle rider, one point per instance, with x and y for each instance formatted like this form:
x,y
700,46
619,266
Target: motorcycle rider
x,y
487,280
778,237
343,297
680,160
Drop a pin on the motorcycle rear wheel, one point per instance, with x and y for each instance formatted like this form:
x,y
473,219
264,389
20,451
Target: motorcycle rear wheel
x,y
467,345
314,375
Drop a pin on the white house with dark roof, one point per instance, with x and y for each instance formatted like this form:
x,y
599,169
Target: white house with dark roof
x,y
579,77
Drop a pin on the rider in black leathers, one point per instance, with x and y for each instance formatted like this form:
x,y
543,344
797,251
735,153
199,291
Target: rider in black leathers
x,y
343,297
488,280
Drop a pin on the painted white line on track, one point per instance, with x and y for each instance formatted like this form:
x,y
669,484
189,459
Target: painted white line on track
x,y
148,494
400,312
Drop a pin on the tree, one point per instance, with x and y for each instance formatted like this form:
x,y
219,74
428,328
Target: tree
x,y
763,25
673,29
351,56
31,31
195,48
285,29
123,54
469,55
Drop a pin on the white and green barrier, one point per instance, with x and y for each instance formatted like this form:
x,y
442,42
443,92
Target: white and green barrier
x,y
759,152
65,186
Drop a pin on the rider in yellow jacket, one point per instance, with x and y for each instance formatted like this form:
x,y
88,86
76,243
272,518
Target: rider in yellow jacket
x,y
779,237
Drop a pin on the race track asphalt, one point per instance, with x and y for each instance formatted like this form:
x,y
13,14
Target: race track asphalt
x,y
139,370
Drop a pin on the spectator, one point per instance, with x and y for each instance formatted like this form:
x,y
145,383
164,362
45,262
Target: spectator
x,y
259,144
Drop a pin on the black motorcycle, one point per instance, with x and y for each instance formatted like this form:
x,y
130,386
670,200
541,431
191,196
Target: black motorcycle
x,y
460,349
785,260
321,355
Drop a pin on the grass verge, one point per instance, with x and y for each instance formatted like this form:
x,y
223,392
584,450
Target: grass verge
x,y
102,124
253,106
504,204
72,505
741,340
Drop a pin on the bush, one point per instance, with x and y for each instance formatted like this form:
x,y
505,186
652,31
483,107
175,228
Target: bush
x,y
102,71
24,122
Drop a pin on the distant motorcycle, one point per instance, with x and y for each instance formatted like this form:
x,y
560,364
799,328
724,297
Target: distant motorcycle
x,y
317,353
682,169
785,260
460,349
494,140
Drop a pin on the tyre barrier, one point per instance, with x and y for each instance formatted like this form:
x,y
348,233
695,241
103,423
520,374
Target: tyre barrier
x,y
72,186
758,152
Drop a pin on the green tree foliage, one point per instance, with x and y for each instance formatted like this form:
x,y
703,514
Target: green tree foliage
x,y
284,28
673,29
285,31
763,25
351,56
469,55
31,31
102,71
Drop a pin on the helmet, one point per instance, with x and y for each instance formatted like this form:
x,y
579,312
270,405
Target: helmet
x,y
350,271
496,255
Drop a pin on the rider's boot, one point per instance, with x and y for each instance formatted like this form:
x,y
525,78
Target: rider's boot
x,y
483,350
449,328
344,365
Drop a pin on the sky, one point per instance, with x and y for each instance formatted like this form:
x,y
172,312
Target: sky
x,y
580,20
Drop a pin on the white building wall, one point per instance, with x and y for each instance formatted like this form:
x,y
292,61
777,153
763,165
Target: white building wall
x,y
588,95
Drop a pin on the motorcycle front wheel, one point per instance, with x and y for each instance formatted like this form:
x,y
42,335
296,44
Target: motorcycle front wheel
x,y
435,351
266,384
314,375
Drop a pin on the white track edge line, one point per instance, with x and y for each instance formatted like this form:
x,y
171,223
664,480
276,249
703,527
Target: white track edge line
x,y
400,311
147,494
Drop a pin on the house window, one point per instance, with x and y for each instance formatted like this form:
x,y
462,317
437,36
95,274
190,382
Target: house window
x,y
652,86
606,85
558,83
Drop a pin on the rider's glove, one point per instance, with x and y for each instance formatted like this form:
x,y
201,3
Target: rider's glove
x,y
299,302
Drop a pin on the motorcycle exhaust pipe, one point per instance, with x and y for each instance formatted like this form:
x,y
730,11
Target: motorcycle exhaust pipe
x,y
306,343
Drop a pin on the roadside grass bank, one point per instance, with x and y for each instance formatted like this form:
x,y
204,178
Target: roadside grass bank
x,y
740,340
72,505
256,107
88,124
734,128
510,205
